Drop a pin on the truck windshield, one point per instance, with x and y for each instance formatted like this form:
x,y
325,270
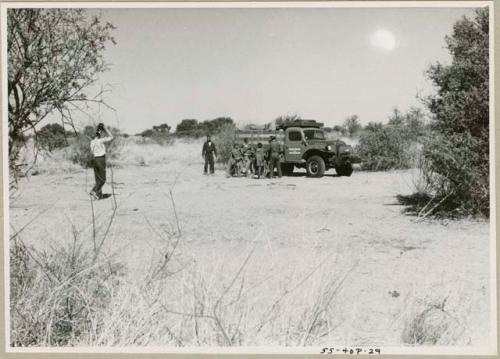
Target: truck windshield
x,y
314,135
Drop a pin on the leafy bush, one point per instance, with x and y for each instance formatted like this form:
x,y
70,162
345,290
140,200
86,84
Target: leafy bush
x,y
392,146
382,149
461,182
459,153
224,141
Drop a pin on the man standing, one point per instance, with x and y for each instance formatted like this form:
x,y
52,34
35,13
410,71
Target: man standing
x,y
102,135
274,156
209,153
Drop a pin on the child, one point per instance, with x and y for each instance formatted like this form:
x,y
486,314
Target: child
x,y
259,160
234,161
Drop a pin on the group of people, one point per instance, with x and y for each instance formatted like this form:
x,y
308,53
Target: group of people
x,y
246,159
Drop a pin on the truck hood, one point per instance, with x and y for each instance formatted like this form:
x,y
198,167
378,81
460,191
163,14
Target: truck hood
x,y
335,142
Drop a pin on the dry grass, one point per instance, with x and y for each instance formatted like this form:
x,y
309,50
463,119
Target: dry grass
x,y
131,152
76,295
139,153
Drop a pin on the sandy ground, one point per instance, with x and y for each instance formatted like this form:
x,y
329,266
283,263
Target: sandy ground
x,y
388,266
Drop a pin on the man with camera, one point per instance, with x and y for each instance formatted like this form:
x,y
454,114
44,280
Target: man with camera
x,y
98,148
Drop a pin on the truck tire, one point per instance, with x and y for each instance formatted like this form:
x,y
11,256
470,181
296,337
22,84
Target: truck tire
x,y
344,170
315,166
287,169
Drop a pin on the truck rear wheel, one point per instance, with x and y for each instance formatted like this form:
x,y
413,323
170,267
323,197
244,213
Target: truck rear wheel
x,y
315,166
344,170
287,169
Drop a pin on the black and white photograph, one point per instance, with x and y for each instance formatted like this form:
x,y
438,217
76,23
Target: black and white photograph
x,y
249,177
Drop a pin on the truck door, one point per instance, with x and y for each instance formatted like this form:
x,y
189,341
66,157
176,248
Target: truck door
x,y
293,146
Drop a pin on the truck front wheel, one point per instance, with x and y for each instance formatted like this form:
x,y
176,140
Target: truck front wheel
x,y
315,166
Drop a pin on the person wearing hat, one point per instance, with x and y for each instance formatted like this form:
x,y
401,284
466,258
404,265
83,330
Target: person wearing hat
x,y
209,153
102,136
274,156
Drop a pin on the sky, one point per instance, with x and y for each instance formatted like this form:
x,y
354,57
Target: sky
x,y
254,65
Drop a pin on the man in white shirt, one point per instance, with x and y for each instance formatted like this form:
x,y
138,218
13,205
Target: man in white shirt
x,y
98,149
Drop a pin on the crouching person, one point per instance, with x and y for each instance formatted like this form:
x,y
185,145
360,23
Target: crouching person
x,y
98,149
233,166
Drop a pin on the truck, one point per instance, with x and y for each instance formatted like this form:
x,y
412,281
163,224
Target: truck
x,y
304,145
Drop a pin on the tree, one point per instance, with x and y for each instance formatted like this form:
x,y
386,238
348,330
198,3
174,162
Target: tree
x,y
163,128
186,127
415,122
211,127
352,125
462,100
338,128
459,153
53,56
397,118
52,136
373,126
159,134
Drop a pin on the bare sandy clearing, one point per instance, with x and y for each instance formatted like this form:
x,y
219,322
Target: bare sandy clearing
x,y
334,237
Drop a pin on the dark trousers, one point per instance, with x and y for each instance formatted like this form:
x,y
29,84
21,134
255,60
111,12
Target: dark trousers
x,y
100,174
209,160
274,162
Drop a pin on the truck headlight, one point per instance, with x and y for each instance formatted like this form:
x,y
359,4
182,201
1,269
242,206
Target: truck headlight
x,y
328,148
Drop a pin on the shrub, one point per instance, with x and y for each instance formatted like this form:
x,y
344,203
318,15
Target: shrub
x,y
57,298
396,145
224,141
52,136
459,153
383,149
462,181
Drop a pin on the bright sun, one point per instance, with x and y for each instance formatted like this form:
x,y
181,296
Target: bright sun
x,y
383,39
